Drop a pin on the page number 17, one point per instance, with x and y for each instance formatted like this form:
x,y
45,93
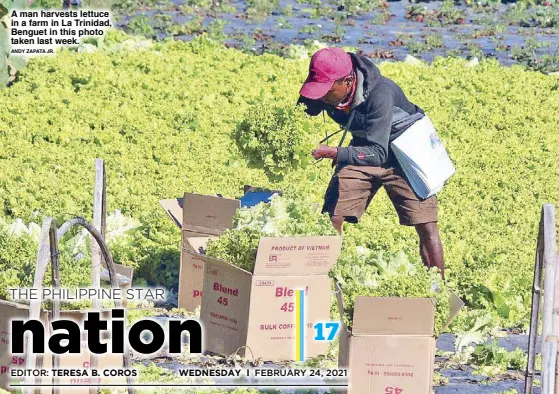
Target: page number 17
x,y
332,328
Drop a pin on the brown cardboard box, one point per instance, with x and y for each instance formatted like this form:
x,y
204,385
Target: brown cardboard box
x,y
8,311
124,282
127,276
256,309
82,360
200,217
391,347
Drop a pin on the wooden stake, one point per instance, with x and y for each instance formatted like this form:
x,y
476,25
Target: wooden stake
x,y
535,314
549,342
96,257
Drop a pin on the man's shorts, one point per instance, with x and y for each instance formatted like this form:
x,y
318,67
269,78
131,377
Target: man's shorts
x,y
353,187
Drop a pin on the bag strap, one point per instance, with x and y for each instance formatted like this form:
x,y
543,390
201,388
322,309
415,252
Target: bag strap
x,y
330,136
399,129
345,129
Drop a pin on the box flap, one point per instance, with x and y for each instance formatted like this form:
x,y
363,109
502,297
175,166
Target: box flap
x,y
297,255
456,304
191,273
341,305
393,316
124,274
200,214
12,304
197,244
173,208
219,262
124,270
209,215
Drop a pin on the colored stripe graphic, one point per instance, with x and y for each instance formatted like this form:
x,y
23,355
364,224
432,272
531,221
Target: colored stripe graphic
x,y
300,325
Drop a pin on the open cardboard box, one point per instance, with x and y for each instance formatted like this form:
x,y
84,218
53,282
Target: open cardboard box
x,y
108,360
8,361
202,217
252,313
8,311
391,346
125,277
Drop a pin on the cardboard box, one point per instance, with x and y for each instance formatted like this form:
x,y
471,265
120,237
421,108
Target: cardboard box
x,y
8,311
391,346
82,360
125,277
252,313
202,217
11,310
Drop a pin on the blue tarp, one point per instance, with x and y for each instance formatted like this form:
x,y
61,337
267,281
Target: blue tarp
x,y
252,198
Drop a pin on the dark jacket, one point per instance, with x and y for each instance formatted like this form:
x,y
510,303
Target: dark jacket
x,y
382,114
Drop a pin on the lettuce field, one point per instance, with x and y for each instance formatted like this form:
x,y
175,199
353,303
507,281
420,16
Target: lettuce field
x,y
163,115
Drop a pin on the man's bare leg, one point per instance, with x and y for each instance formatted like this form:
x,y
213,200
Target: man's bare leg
x,y
337,222
430,246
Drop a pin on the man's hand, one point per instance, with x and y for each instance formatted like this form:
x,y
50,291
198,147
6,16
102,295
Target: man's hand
x,y
325,152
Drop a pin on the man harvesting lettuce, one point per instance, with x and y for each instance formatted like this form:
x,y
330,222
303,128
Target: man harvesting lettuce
x,y
375,110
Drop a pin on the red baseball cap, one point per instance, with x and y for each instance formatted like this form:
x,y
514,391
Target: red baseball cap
x,y
327,66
